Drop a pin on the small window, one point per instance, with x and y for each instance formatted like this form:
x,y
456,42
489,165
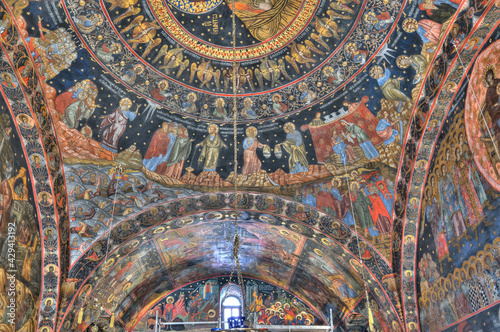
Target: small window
x,y
231,301
230,308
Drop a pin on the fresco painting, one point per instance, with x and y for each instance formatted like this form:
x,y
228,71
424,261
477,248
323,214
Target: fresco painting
x,y
200,302
457,265
20,236
258,242
361,128
100,197
170,250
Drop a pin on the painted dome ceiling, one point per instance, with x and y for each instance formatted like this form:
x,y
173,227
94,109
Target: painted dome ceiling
x,y
135,131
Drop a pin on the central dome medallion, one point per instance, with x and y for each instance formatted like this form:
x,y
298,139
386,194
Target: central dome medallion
x,y
291,54
262,27
278,42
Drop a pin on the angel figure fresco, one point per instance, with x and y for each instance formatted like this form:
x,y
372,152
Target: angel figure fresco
x,y
173,58
295,147
384,128
265,18
462,172
428,30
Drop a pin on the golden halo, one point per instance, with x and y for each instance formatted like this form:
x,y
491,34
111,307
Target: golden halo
x,y
160,229
326,241
485,71
409,25
400,59
374,69
318,252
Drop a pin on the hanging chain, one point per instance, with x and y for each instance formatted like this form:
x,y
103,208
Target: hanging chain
x,y
236,243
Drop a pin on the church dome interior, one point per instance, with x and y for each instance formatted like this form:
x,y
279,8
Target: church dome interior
x,y
249,165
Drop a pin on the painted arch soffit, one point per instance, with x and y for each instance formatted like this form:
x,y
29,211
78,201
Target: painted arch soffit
x,y
443,114
273,249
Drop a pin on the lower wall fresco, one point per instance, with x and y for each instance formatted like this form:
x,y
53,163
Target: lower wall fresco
x,y
199,301
470,288
484,321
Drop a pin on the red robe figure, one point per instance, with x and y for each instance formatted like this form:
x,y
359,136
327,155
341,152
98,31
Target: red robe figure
x,y
251,162
119,273
157,148
379,214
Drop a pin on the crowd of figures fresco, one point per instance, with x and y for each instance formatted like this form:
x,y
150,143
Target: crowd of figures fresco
x,y
458,256
101,197
303,263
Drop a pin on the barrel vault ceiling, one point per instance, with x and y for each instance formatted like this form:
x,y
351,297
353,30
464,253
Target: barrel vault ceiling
x,y
122,112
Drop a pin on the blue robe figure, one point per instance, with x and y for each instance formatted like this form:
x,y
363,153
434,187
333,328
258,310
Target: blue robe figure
x,y
339,148
309,199
363,139
386,198
384,125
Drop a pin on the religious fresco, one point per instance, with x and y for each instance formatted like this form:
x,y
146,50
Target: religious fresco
x,y
101,197
200,302
482,101
460,212
456,266
138,107
20,236
486,320
171,251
